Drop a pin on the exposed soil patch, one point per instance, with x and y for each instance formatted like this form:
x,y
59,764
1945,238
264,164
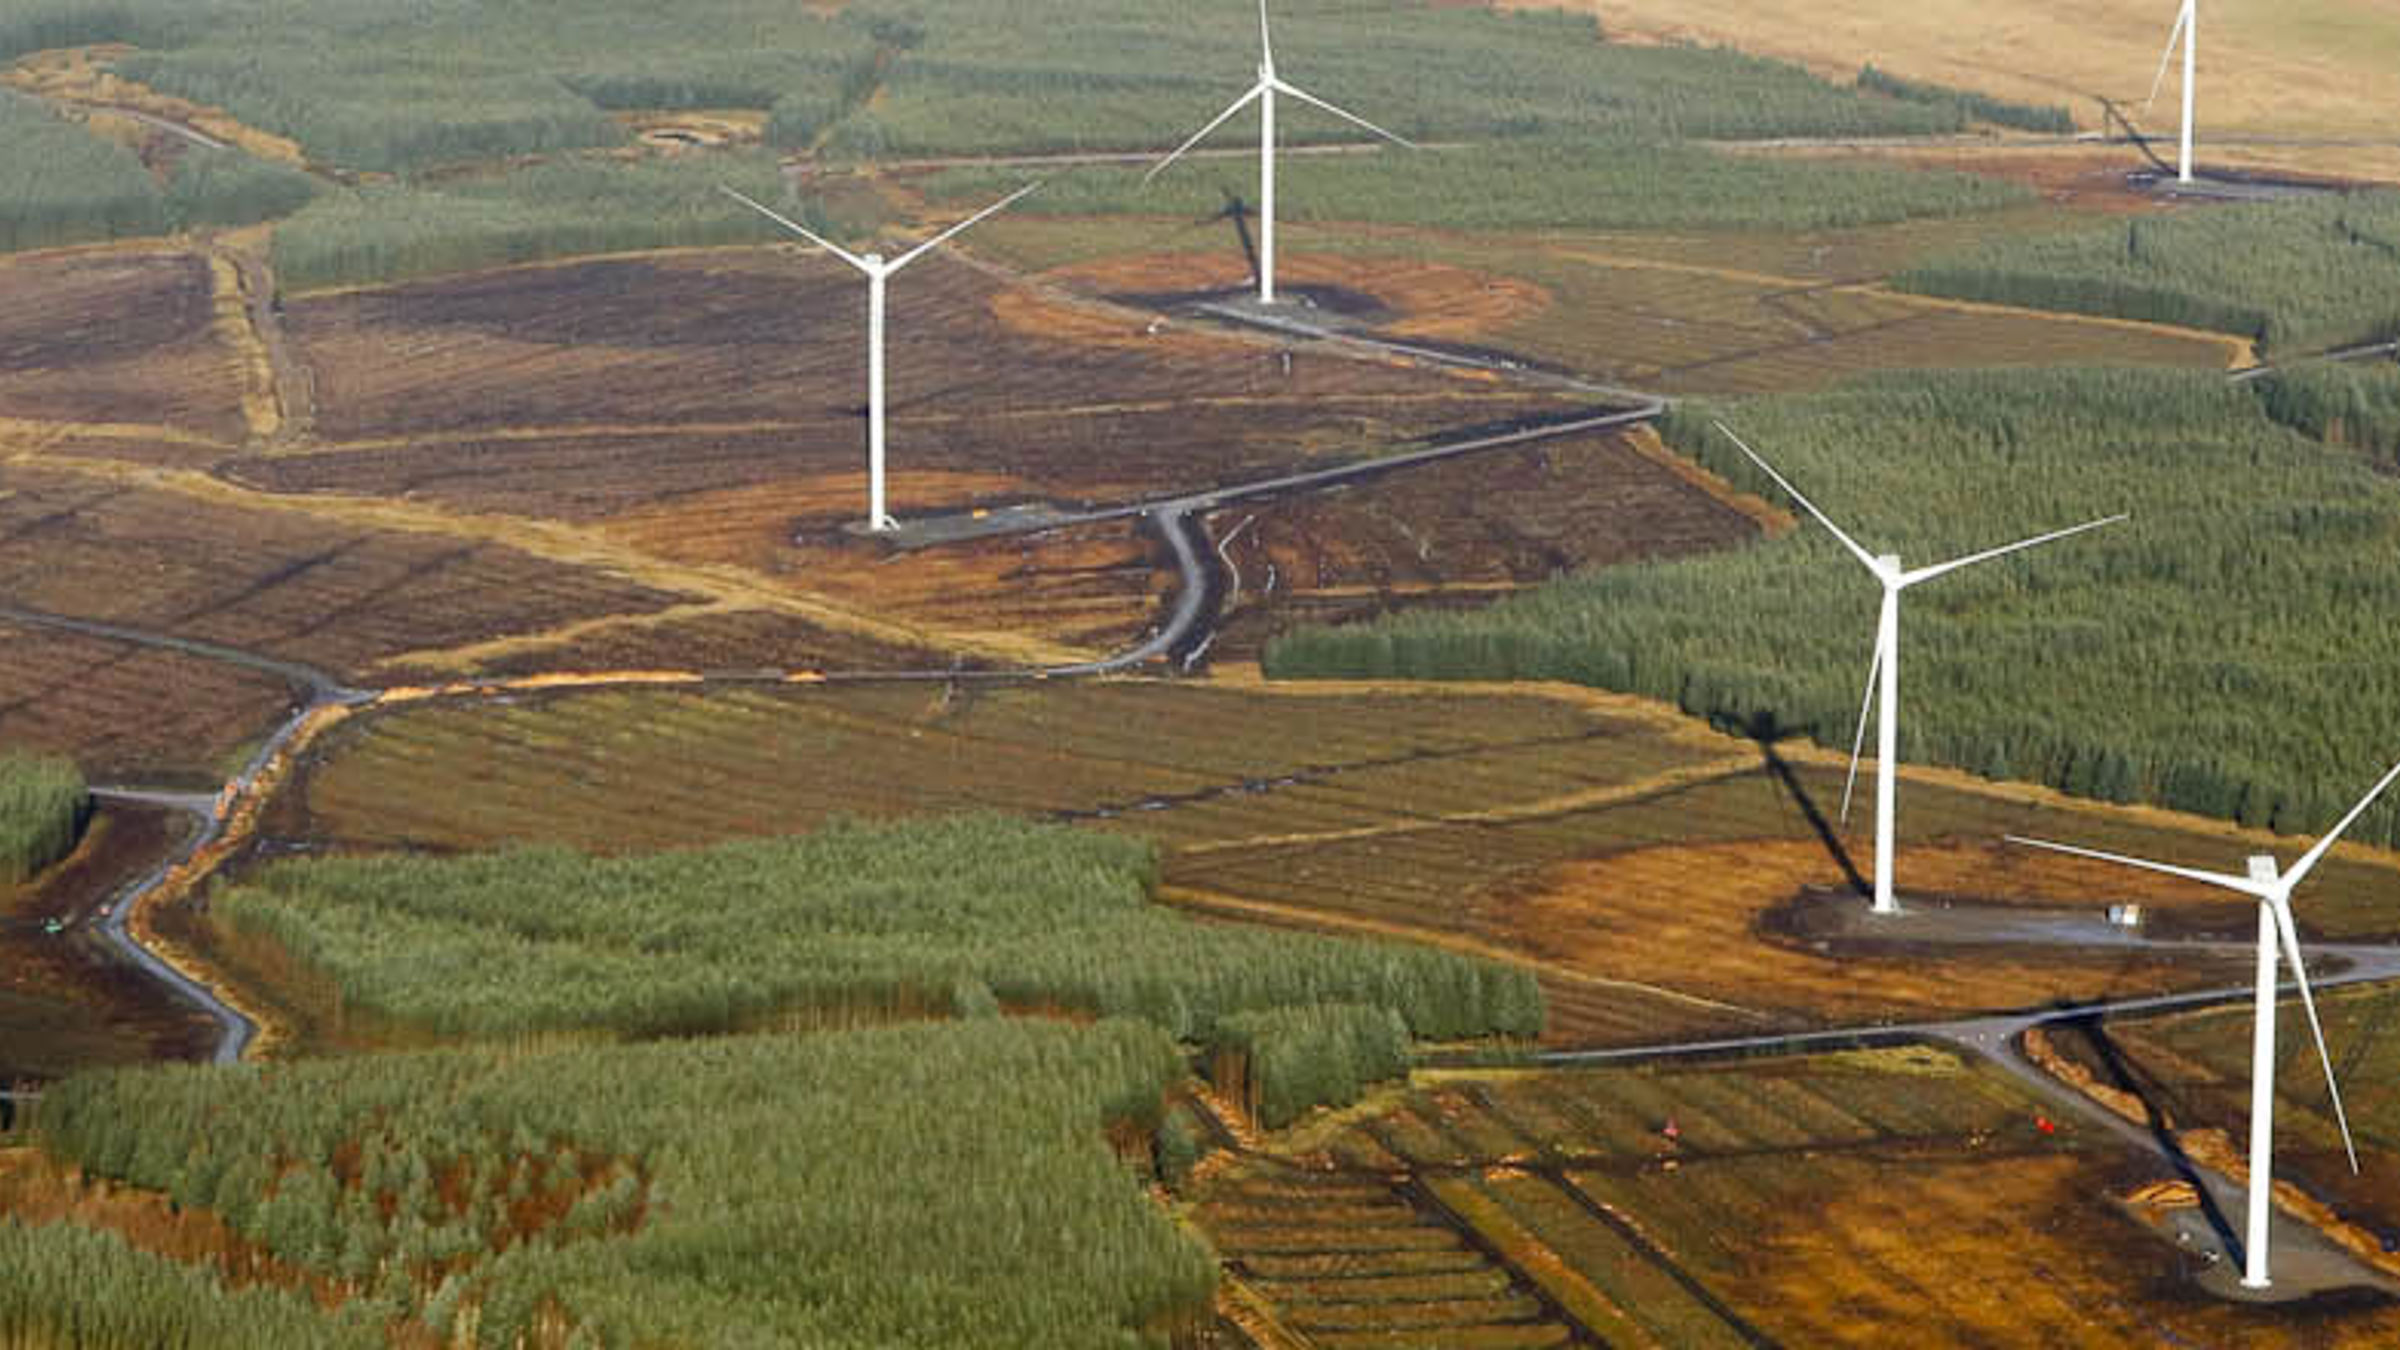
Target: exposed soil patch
x,y
1399,296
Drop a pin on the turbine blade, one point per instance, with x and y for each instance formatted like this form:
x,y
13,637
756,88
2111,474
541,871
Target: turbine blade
x,y
1811,507
1858,741
2183,18
961,227
1306,97
2316,854
1202,134
2291,953
799,229
2232,883
1266,45
1929,573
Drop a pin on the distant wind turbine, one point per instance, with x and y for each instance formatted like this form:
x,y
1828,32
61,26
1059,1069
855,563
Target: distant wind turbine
x,y
878,272
1886,702
1264,92
2273,891
2187,30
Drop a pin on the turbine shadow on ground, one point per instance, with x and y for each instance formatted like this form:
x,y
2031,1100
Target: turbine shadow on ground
x,y
1762,729
1239,210
2119,1074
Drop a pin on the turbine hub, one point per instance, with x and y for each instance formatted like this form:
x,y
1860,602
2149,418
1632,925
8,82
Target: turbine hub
x,y
2263,868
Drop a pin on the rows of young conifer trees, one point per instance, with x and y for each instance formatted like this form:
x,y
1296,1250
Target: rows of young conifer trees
x,y
939,916
466,82
2226,651
62,184
1535,183
936,1184
2357,406
1325,1054
2296,275
62,1286
1974,106
390,232
43,804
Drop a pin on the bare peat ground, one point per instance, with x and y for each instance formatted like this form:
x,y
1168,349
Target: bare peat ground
x,y
1465,533
277,581
130,713
116,337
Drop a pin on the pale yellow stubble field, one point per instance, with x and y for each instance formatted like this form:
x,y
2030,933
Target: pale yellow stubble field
x,y
2271,69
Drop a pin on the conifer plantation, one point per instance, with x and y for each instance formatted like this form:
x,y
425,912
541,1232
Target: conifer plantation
x,y
43,805
2130,665
854,922
938,1184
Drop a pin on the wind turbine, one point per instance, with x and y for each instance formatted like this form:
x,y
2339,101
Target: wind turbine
x,y
2187,29
1886,701
1264,92
879,271
2273,890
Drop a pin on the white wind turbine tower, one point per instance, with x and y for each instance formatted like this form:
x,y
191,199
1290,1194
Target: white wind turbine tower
x,y
1886,701
1264,92
2273,890
879,271
2187,30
